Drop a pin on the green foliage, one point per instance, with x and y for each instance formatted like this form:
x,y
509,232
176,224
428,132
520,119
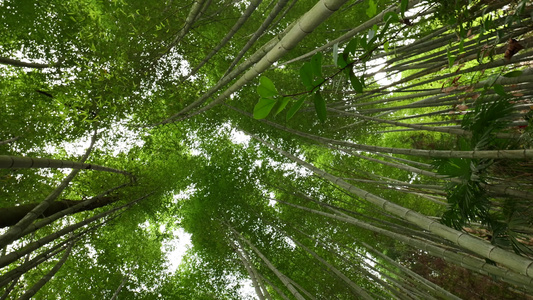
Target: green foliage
x,y
118,66
296,107
263,107
372,9
485,120
320,106
468,200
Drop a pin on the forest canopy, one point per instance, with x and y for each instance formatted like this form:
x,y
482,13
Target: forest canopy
x,y
330,149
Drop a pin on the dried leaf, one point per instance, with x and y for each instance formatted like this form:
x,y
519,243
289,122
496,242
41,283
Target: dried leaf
x,y
461,107
513,46
449,89
455,81
469,34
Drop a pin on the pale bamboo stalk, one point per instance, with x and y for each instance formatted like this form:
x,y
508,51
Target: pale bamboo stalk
x,y
405,161
18,63
17,162
255,272
15,255
377,19
278,290
42,257
119,288
498,189
247,13
304,291
15,231
14,282
254,58
441,292
45,221
304,26
342,255
37,286
257,34
284,279
476,154
11,275
251,274
390,225
191,17
447,129
508,259
435,93
357,290
404,184
458,258
4,142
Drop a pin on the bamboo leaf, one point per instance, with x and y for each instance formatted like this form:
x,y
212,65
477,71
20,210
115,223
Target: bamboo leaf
x,y
451,58
282,104
498,88
356,83
341,62
266,88
263,108
350,47
306,75
403,6
296,107
513,74
372,9
320,106
316,64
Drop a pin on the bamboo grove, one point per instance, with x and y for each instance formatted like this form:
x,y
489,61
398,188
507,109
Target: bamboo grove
x,y
326,149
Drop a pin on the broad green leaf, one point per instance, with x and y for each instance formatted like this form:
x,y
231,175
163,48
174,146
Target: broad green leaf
x,y
341,62
391,17
281,105
386,46
403,6
266,88
498,88
500,36
372,9
263,108
490,81
351,46
513,74
356,83
451,58
316,64
317,82
296,107
363,42
320,106
306,75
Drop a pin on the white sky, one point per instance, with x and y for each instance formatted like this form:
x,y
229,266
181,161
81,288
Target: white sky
x,y
179,245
